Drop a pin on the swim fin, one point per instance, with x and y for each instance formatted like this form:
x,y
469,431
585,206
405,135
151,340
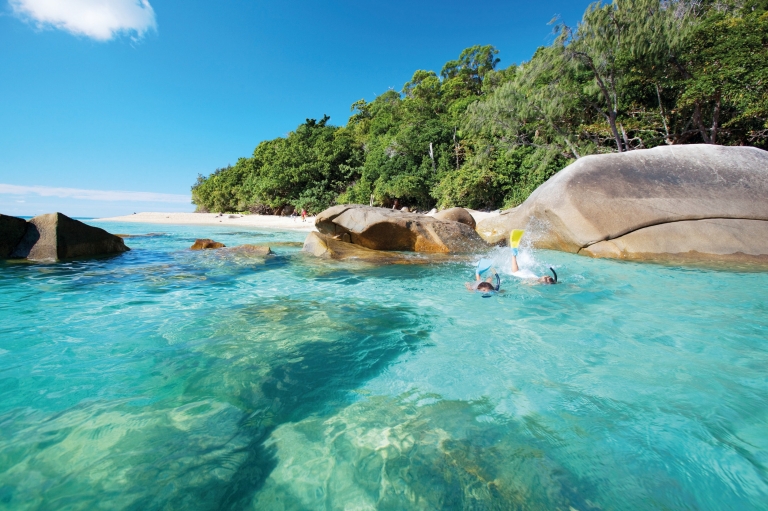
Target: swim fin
x,y
483,265
514,238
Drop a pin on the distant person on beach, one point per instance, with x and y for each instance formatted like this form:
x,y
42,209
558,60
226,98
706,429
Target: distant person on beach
x,y
303,215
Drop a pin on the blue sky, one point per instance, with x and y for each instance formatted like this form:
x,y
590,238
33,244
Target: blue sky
x,y
141,96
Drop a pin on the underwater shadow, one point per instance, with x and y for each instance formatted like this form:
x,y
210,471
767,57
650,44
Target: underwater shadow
x,y
341,346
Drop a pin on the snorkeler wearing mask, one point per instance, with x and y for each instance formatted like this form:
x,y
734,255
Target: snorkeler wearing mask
x,y
487,285
514,240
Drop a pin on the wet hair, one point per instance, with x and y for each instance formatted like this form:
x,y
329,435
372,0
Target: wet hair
x,y
485,286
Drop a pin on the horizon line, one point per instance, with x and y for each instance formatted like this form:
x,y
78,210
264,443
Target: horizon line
x,y
94,195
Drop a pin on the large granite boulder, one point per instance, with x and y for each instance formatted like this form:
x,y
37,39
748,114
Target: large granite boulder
x,y
56,236
385,229
460,215
326,247
12,230
694,202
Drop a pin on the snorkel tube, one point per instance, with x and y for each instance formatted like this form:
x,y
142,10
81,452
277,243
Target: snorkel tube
x,y
553,273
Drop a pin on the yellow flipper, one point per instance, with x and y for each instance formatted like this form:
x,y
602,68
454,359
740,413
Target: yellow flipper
x,y
515,237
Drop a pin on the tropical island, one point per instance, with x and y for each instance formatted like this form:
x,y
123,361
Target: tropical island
x,y
633,75
431,336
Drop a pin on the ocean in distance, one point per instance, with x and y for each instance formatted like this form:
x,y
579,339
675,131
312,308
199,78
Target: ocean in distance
x,y
169,379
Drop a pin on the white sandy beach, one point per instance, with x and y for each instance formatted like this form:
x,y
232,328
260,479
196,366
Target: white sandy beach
x,y
268,221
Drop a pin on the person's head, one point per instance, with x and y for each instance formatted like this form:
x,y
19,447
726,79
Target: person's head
x,y
485,287
546,279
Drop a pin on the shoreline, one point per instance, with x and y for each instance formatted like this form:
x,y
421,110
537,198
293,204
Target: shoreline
x,y
265,221
260,221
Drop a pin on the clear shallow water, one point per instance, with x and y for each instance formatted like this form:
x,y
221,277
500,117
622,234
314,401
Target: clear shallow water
x,y
171,379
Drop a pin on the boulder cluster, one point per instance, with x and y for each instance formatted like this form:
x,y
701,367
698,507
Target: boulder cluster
x,y
693,203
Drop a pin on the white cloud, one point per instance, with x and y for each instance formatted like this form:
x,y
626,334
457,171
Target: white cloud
x,y
98,19
97,195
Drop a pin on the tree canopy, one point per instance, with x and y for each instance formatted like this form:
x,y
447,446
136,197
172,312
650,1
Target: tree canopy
x,y
633,74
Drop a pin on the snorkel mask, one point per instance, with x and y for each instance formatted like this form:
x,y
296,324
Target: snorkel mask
x,y
489,293
553,273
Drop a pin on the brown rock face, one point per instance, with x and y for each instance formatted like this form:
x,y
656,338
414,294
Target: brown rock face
x,y
385,229
695,202
460,215
324,246
206,244
12,230
56,236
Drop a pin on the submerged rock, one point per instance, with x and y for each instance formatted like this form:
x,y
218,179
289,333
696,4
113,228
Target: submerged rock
x,y
386,229
206,244
55,236
326,247
12,230
460,215
251,250
695,202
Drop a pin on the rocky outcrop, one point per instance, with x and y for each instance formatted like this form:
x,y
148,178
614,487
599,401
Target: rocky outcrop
x,y
206,244
385,229
460,215
12,230
695,202
55,236
326,247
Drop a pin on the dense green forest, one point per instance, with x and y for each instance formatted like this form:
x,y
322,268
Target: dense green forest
x,y
633,74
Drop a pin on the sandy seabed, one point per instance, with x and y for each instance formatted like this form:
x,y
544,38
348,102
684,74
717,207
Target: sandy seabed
x,y
267,221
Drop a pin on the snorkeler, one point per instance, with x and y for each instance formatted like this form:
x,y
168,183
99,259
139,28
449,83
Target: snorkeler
x,y
486,285
514,241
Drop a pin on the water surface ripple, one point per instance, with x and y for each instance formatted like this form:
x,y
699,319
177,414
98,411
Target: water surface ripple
x,y
170,379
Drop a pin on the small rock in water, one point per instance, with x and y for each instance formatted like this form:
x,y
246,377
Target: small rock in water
x,y
206,244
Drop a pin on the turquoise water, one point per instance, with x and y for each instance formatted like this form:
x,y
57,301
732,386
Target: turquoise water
x,y
169,379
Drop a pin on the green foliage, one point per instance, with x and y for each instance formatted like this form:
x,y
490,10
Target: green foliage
x,y
307,169
504,179
633,74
